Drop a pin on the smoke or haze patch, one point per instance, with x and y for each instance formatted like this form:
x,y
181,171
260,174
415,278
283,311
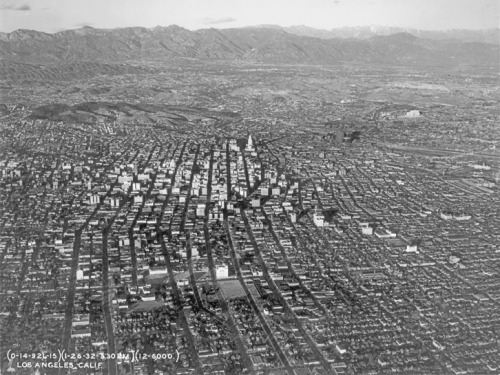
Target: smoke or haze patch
x,y
21,8
216,21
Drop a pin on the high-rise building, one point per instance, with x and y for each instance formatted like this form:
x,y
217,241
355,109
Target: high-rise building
x,y
250,146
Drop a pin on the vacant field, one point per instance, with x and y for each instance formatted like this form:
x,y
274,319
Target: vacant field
x,y
231,288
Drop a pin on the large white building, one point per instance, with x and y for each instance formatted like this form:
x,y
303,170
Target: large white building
x,y
94,199
366,229
222,272
319,219
250,146
412,249
414,113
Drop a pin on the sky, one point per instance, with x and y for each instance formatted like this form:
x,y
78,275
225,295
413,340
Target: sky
x,y
56,15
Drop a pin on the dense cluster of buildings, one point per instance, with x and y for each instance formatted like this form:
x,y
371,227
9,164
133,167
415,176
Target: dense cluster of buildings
x,y
252,252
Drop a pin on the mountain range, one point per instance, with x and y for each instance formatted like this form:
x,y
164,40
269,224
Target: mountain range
x,y
257,44
491,36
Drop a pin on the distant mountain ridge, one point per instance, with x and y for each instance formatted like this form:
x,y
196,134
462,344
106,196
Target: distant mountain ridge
x,y
261,44
491,36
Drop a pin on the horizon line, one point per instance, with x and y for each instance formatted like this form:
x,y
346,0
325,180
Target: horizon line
x,y
268,25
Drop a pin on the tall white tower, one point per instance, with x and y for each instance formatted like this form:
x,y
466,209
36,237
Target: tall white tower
x,y
250,143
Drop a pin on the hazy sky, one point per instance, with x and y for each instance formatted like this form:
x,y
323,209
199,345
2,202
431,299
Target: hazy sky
x,y
56,15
